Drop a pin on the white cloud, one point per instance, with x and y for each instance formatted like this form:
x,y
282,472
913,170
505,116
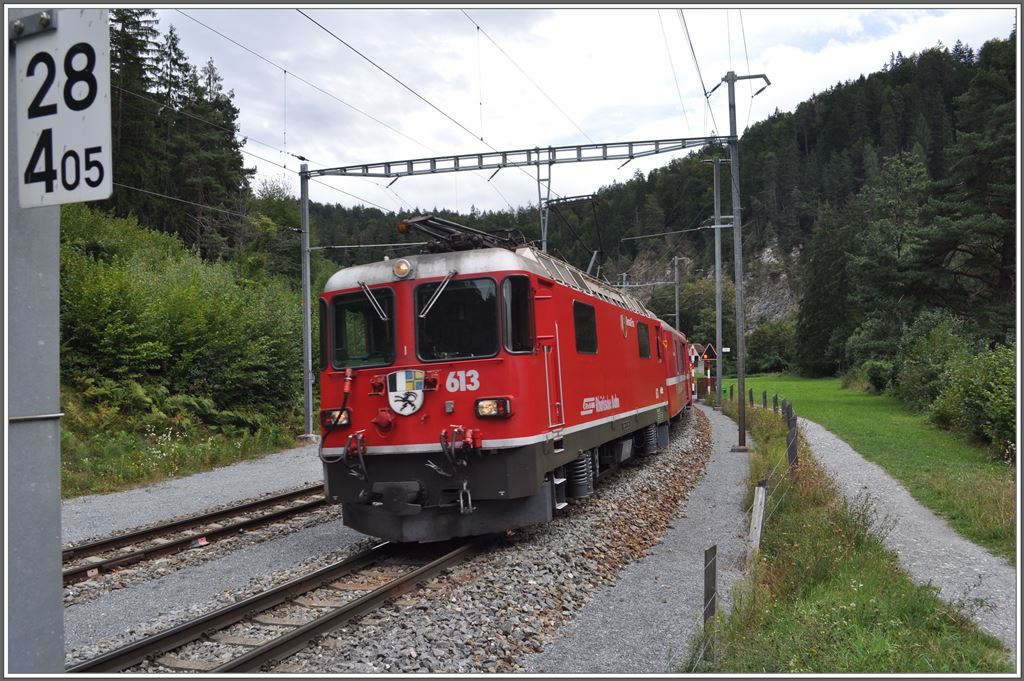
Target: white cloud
x,y
606,68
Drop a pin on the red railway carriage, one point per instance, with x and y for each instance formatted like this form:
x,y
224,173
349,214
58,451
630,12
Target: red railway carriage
x,y
475,391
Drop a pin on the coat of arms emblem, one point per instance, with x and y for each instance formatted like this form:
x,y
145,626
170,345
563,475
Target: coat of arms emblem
x,y
405,391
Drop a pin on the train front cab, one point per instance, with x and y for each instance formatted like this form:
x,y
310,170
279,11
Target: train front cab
x,y
425,464
435,378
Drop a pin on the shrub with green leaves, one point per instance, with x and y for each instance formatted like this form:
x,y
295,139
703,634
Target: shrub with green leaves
x,y
872,339
169,363
979,397
160,315
927,348
770,347
877,373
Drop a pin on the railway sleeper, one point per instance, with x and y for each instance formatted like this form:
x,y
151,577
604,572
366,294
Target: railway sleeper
x,y
188,665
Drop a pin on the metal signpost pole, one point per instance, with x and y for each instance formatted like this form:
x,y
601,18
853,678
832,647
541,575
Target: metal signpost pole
x,y
35,607
718,290
58,151
307,332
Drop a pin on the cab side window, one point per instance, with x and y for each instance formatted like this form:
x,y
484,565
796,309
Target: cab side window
x,y
517,313
644,339
585,323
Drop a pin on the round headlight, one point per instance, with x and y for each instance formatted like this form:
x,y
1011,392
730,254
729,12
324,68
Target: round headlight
x,y
402,268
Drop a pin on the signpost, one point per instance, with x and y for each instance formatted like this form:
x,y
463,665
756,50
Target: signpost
x,y
58,151
709,355
62,86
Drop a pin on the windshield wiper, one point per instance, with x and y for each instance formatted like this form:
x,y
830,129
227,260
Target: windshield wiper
x,y
373,301
437,294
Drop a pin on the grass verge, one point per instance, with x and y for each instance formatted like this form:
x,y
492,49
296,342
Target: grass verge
x,y
103,450
825,596
942,470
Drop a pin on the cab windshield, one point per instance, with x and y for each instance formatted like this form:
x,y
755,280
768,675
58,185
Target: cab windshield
x,y
461,324
361,338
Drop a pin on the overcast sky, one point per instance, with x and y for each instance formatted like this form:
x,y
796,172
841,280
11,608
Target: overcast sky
x,y
530,77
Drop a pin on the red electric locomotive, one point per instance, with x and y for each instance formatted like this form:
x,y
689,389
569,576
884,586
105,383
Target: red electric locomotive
x,y
475,390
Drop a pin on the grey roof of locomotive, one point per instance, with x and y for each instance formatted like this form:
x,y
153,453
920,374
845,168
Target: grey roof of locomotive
x,y
485,261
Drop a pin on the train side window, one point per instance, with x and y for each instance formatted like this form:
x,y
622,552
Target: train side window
x,y
644,340
517,313
679,357
585,323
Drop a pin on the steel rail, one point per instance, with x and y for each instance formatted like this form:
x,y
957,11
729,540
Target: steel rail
x,y
124,657
101,545
82,572
280,648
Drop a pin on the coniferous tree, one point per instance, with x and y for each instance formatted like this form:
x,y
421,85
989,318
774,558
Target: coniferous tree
x,y
132,113
972,246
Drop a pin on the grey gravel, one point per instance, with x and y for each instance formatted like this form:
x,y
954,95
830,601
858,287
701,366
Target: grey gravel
x,y
126,613
487,616
90,589
482,616
643,623
981,584
99,515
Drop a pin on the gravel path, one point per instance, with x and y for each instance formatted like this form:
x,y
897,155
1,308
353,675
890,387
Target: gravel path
x,y
100,515
982,585
643,623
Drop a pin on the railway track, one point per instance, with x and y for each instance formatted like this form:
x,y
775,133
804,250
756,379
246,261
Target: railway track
x,y
281,621
90,559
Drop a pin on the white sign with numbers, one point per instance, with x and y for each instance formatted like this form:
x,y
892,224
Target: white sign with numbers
x,y
63,95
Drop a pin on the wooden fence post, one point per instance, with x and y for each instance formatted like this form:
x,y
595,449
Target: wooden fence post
x,y
764,399
792,441
730,393
775,403
710,589
751,391
756,519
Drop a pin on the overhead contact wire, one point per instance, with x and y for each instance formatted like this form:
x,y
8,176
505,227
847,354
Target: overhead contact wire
x,y
672,64
527,76
696,64
385,71
306,82
392,77
750,83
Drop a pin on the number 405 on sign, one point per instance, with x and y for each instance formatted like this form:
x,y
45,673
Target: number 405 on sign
x,y
63,99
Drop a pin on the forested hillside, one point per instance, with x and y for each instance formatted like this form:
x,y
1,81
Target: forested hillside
x,y
880,218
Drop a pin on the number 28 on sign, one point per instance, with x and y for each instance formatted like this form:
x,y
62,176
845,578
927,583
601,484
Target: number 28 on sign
x,y
63,100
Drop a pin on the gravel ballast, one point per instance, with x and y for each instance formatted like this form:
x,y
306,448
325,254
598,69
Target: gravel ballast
x,y
643,623
484,616
119,616
981,584
103,514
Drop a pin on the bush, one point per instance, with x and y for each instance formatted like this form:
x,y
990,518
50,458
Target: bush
x,y
932,342
161,316
770,347
979,397
872,339
878,373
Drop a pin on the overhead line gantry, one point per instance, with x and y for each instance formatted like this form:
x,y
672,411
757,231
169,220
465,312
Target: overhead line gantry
x,y
541,158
